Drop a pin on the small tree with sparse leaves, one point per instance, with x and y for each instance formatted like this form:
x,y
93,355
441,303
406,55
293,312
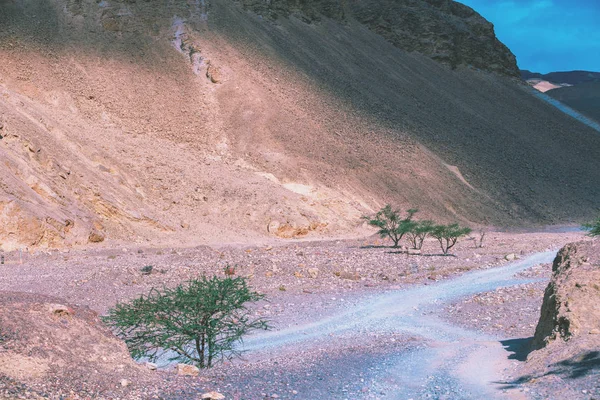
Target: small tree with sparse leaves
x,y
199,321
448,235
391,224
593,227
418,232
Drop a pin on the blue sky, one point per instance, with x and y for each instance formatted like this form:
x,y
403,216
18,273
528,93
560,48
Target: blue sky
x,y
547,35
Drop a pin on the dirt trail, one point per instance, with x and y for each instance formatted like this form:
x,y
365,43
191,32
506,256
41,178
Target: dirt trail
x,y
454,362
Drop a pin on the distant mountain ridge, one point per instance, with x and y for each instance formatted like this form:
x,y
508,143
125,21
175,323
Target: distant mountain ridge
x,y
579,90
563,77
584,98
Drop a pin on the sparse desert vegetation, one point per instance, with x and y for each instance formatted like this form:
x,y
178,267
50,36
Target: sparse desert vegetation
x,y
320,278
593,227
178,176
391,225
448,235
200,321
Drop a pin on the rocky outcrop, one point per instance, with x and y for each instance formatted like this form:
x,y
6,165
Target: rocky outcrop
x,y
309,11
567,337
447,31
571,307
48,346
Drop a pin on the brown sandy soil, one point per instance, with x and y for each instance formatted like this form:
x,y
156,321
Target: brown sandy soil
x,y
101,277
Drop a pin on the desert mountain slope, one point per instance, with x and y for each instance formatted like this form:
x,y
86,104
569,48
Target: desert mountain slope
x,y
445,30
110,127
584,97
563,77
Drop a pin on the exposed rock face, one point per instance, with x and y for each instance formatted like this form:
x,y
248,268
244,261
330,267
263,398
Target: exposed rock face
x,y
311,10
567,338
447,31
571,307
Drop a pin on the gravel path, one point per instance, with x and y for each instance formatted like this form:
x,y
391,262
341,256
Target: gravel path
x,y
373,323
418,355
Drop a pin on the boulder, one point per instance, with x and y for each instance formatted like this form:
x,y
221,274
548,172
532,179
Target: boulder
x,y
96,237
351,276
566,343
213,73
571,306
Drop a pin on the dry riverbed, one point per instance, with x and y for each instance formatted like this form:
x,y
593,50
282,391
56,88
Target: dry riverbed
x,y
512,314
304,282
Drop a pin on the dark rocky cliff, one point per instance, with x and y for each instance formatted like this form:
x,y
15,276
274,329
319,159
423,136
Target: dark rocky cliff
x,y
447,31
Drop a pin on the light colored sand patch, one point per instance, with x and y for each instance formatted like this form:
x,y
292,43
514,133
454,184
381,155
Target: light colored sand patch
x,y
454,169
299,188
544,86
17,366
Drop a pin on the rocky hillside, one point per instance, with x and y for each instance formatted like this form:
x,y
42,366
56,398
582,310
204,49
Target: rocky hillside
x,y
445,30
579,90
189,122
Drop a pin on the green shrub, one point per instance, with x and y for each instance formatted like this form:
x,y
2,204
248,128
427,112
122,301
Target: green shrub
x,y
418,232
391,224
593,227
448,235
199,321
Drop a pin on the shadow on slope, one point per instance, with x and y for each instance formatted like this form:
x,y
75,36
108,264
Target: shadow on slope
x,y
535,163
525,162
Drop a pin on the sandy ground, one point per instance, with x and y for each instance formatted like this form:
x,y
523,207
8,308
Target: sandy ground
x,y
332,337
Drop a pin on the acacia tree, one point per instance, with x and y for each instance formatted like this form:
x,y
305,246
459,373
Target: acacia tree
x,y
198,321
418,232
593,227
391,224
448,235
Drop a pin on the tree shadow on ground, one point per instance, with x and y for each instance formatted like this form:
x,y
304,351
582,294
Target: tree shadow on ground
x,y
579,366
419,255
439,255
